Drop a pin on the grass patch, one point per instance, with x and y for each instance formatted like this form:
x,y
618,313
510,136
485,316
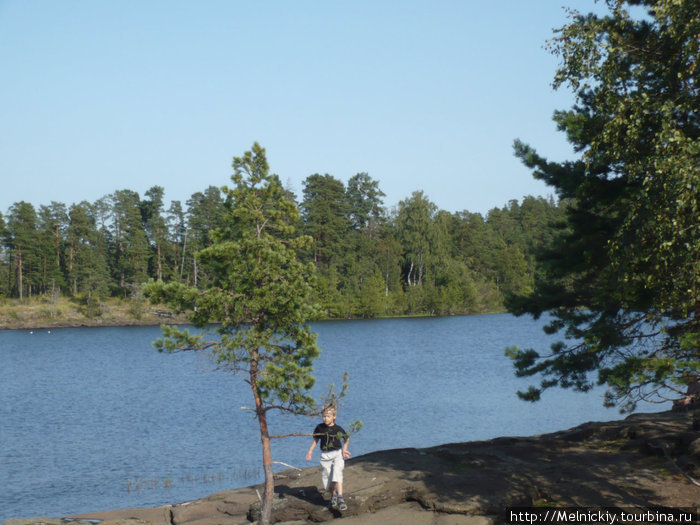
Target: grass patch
x,y
45,312
545,503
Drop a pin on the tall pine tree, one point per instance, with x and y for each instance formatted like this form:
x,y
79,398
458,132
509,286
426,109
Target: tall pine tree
x,y
622,279
260,293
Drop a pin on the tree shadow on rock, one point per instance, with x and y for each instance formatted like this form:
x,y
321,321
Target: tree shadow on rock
x,y
597,464
308,493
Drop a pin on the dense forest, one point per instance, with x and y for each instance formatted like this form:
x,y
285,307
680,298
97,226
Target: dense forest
x,y
371,261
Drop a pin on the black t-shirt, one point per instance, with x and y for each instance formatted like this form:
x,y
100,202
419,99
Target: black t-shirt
x,y
331,437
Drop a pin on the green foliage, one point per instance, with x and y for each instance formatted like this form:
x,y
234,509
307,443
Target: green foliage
x,y
372,297
86,265
204,214
467,263
52,224
417,233
4,266
325,214
152,216
90,307
431,262
129,247
260,294
21,242
260,291
365,205
621,278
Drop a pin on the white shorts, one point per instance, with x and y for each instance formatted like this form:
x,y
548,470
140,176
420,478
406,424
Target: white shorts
x,y
332,465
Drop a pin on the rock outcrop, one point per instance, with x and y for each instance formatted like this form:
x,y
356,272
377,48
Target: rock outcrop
x,y
641,461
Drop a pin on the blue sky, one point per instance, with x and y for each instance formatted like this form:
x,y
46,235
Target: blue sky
x,y
99,96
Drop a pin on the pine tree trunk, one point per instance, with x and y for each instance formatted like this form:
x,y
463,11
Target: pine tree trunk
x,y
268,495
58,248
194,260
184,251
160,267
74,281
19,274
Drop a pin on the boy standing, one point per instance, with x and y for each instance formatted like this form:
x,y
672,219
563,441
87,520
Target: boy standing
x,y
333,455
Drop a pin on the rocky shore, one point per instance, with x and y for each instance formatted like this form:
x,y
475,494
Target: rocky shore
x,y
644,460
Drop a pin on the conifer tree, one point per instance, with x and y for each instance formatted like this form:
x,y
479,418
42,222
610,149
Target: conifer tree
x,y
157,232
325,215
365,205
260,293
205,212
4,263
53,221
177,235
622,279
130,244
21,241
86,265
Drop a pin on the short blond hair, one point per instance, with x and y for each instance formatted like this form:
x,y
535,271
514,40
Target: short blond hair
x,y
330,409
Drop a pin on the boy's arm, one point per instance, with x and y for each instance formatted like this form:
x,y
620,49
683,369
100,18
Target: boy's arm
x,y
346,452
311,449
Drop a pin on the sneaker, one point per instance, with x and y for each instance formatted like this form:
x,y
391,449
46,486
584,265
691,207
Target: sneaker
x,y
341,504
334,501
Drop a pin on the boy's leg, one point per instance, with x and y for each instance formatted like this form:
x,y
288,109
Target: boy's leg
x,y
332,475
337,472
326,468
338,468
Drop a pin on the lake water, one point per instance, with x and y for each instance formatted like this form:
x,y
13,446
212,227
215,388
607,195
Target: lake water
x,y
96,419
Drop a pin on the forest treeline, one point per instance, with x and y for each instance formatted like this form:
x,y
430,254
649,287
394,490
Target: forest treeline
x,y
371,261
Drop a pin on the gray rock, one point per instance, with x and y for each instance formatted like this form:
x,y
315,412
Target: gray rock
x,y
694,448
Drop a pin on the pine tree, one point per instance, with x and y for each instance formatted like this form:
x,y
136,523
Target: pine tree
x,y
4,261
177,235
21,241
152,210
325,215
130,244
86,265
260,293
205,213
366,209
622,278
53,221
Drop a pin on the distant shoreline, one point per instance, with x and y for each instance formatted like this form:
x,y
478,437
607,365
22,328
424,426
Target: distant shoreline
x,y
39,314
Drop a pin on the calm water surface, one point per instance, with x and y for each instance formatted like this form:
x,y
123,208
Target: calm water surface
x,y
96,419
